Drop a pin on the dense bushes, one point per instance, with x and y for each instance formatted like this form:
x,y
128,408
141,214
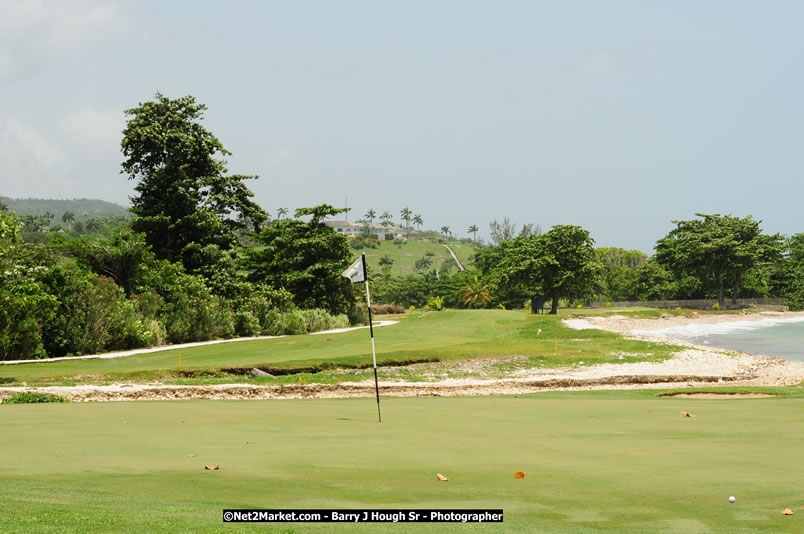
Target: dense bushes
x,y
51,306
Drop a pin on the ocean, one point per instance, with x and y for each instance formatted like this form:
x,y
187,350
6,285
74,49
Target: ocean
x,y
783,338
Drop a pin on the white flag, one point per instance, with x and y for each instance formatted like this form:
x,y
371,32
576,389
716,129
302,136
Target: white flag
x,y
356,273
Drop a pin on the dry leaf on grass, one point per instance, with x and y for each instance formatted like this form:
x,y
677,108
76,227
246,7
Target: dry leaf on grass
x,y
211,467
787,511
685,414
441,477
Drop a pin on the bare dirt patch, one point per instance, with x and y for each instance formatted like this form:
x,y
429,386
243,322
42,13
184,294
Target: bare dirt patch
x,y
717,395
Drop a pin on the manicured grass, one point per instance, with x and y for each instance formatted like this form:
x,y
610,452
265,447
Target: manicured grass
x,y
448,335
594,462
405,258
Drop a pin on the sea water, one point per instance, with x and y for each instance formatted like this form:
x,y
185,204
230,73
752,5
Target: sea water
x,y
780,337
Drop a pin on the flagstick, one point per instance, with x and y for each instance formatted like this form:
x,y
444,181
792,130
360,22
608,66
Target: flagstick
x,y
371,329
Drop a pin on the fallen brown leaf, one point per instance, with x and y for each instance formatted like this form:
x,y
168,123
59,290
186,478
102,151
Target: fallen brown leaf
x,y
685,414
211,467
441,477
787,511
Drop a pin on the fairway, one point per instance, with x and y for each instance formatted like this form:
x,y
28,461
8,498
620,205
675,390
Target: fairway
x,y
443,336
594,462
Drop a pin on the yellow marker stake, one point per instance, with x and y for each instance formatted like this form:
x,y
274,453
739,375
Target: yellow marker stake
x,y
179,360
555,339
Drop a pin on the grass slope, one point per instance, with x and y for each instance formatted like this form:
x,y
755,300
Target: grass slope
x,y
405,258
595,462
448,335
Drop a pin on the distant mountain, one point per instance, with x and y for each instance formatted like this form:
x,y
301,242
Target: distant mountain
x,y
38,206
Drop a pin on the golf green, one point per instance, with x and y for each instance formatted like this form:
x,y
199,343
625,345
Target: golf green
x,y
593,462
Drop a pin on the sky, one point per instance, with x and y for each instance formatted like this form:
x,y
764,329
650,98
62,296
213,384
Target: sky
x,y
618,116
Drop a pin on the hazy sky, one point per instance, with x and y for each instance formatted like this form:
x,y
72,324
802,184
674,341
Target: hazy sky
x,y
618,116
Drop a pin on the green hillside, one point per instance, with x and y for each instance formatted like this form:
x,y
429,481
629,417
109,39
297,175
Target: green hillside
x,y
39,206
406,256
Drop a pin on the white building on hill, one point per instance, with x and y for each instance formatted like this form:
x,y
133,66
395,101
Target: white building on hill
x,y
350,229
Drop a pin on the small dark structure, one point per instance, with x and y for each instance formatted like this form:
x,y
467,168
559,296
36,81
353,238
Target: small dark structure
x,y
537,304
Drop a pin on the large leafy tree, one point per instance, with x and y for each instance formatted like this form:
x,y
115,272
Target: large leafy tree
x,y
305,258
184,194
559,263
787,278
718,249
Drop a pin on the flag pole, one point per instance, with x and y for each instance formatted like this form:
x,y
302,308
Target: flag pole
x,y
371,329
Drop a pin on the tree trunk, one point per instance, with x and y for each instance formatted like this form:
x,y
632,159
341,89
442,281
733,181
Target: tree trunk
x,y
554,306
720,292
737,282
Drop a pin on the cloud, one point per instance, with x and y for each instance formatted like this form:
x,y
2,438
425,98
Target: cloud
x,y
26,156
96,132
33,32
597,63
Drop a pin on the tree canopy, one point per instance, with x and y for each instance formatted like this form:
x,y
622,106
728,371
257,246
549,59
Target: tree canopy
x,y
305,258
184,195
559,263
718,249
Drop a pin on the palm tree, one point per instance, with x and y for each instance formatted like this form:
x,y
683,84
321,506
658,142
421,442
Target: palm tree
x,y
370,214
406,215
48,218
445,231
386,262
282,212
386,218
475,292
68,218
418,221
3,207
423,263
93,224
473,230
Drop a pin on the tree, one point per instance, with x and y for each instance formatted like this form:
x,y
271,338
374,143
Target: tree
x,y
475,293
68,218
445,231
418,221
406,216
370,215
386,218
93,224
184,194
503,231
787,277
125,258
305,258
558,263
282,213
423,263
473,230
386,262
620,272
718,249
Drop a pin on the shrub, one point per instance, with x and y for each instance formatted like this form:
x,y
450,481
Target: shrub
x,y
157,333
93,315
358,314
294,323
435,304
246,325
31,397
383,309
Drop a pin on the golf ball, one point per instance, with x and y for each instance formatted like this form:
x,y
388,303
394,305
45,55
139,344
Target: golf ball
x,y
732,499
